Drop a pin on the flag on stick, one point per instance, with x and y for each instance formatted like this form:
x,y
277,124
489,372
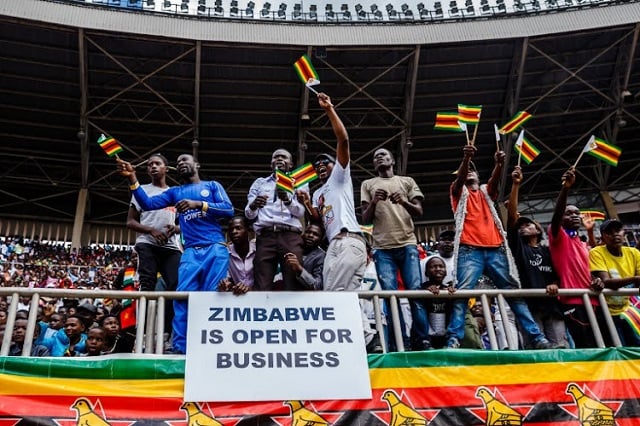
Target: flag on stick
x,y
603,150
306,72
110,146
518,120
495,129
469,114
447,121
367,229
303,175
525,149
284,182
593,214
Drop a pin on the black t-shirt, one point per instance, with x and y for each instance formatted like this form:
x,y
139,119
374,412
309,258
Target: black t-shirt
x,y
535,269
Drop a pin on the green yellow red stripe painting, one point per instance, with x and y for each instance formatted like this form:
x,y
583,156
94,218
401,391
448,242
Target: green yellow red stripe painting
x,y
439,387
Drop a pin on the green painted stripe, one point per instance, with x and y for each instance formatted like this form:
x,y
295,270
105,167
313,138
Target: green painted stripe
x,y
135,367
470,357
132,367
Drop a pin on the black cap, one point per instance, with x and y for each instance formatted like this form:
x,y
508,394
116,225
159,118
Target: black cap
x,y
324,155
522,220
610,223
448,234
88,307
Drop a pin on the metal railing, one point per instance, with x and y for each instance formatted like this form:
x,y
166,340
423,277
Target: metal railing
x,y
151,309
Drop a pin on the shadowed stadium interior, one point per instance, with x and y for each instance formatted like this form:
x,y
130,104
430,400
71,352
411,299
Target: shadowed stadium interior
x,y
234,102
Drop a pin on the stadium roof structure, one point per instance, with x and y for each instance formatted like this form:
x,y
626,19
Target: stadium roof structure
x,y
226,91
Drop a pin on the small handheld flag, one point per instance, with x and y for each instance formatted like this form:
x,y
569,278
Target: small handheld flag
x,y
525,149
469,114
593,214
303,175
495,129
306,72
448,121
110,146
518,120
604,150
284,182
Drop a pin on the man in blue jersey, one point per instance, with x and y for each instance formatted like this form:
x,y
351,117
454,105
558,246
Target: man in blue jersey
x,y
200,206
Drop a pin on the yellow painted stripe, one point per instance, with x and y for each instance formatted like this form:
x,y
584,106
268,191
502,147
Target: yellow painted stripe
x,y
23,385
509,374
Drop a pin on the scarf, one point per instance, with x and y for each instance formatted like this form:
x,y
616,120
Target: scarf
x,y
459,217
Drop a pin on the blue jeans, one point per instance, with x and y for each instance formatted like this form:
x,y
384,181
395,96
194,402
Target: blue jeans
x,y
407,260
472,263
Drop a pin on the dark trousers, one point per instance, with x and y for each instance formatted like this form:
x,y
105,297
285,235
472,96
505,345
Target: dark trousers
x,y
270,250
153,260
577,323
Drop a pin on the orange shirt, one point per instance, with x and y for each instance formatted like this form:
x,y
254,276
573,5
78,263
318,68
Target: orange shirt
x,y
479,228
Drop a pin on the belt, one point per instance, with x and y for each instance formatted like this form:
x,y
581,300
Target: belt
x,y
279,228
347,234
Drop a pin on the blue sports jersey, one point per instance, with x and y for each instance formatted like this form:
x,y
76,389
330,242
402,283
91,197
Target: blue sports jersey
x,y
198,228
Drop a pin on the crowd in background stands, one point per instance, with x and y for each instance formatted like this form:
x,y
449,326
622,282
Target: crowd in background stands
x,y
34,264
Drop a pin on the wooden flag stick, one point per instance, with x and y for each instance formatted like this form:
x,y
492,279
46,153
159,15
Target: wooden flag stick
x,y
579,157
475,131
519,156
315,91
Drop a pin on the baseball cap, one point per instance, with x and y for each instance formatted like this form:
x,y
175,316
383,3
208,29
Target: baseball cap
x,y
88,307
324,155
522,220
610,223
448,234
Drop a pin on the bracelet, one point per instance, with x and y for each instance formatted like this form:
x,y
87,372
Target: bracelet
x,y
205,206
134,186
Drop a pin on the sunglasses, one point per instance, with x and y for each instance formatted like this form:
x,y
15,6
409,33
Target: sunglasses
x,y
324,161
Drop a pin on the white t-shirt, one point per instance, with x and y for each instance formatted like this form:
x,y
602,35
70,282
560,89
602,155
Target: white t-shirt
x,y
334,201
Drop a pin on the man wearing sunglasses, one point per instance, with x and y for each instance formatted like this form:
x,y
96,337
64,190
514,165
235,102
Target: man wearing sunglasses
x,y
346,257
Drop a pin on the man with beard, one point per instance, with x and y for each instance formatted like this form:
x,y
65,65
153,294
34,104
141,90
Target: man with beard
x,y
390,202
200,205
309,272
278,225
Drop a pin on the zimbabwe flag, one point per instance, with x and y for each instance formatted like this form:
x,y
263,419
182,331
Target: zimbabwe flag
x,y
436,388
526,149
516,121
603,150
110,146
284,182
306,72
593,214
303,175
447,121
469,114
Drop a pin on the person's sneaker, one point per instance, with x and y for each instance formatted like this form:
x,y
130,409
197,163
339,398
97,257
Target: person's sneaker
x,y
374,346
453,343
424,345
543,344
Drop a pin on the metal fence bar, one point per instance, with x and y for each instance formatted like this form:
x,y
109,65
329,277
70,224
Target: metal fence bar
x,y
486,313
147,300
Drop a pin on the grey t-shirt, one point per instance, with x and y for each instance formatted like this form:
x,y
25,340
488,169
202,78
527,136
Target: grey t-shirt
x,y
157,219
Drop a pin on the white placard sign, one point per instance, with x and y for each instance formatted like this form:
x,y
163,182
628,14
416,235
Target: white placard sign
x,y
270,346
